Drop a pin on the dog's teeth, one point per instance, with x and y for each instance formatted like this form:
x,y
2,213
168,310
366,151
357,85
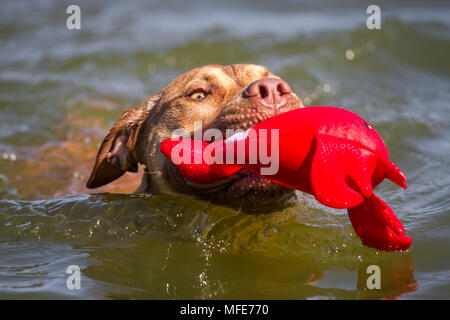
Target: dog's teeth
x,y
239,136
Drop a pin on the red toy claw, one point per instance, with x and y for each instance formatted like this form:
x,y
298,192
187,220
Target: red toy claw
x,y
328,152
377,225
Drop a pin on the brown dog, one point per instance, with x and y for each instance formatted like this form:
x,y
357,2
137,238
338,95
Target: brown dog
x,y
231,97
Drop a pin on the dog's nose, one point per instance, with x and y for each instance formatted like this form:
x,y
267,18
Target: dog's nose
x,y
269,91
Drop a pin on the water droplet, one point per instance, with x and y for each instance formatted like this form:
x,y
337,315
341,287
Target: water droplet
x,y
349,55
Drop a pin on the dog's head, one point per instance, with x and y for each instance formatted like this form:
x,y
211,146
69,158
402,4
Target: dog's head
x,y
230,97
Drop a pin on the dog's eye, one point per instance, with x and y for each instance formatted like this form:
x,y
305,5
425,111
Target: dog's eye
x,y
198,95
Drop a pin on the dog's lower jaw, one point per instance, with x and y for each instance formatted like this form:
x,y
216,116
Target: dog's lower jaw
x,y
243,190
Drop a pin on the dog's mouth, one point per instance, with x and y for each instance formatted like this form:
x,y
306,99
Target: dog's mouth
x,y
243,186
243,189
221,185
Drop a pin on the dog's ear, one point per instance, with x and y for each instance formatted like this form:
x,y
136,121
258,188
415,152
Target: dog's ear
x,y
117,153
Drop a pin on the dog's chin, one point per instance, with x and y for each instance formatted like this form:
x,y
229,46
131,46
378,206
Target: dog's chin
x,y
244,190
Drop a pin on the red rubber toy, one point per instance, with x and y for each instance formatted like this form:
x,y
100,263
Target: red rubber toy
x,y
329,152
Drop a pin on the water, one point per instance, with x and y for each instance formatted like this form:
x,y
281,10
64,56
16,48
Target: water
x,y
61,90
